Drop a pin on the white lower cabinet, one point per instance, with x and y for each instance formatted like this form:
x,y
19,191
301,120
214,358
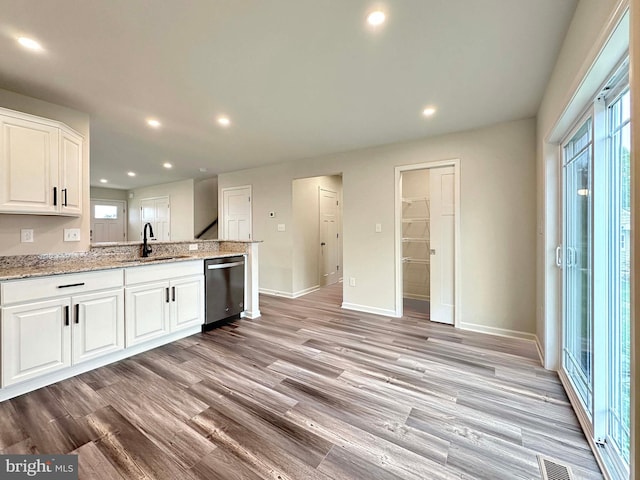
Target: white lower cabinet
x,y
40,336
147,312
158,308
98,324
79,321
35,340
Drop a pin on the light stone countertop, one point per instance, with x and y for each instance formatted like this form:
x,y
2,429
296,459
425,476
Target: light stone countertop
x,y
110,256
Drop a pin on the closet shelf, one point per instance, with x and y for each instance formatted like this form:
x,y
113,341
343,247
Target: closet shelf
x,y
414,199
417,219
415,239
420,261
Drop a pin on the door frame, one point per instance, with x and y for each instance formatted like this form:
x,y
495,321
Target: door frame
x,y
455,163
222,229
125,207
337,219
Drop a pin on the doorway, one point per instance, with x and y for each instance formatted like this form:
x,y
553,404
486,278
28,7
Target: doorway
x,y
108,221
157,212
427,241
236,213
317,233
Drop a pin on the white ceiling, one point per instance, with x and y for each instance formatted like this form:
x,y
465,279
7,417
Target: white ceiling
x,y
298,78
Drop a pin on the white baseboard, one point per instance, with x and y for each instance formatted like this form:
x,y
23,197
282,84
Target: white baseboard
x,y
300,293
367,309
280,293
501,332
275,293
250,314
540,351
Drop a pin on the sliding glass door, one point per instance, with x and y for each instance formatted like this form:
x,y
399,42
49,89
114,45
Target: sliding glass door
x,y
578,242
596,266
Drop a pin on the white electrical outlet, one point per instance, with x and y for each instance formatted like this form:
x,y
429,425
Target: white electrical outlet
x,y
71,234
193,246
352,281
281,227
26,235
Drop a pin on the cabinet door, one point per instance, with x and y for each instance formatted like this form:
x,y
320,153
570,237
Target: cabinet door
x,y
70,173
36,339
28,167
187,304
98,324
147,312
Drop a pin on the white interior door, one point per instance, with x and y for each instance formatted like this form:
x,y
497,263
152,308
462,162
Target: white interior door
x,y
442,243
157,212
236,213
328,237
108,220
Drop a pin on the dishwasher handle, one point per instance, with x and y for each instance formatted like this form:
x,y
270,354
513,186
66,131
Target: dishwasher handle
x,y
224,265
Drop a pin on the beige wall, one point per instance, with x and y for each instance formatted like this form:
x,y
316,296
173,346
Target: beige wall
x,y
306,230
585,39
497,210
181,199
47,230
109,194
205,203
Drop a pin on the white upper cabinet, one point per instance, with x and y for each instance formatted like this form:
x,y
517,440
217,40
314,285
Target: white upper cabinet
x,y
40,166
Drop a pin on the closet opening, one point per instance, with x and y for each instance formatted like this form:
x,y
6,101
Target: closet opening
x,y
427,239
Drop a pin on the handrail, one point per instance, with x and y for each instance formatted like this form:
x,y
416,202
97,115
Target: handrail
x,y
207,228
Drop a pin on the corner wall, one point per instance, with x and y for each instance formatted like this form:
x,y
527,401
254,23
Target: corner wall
x,y
497,210
48,230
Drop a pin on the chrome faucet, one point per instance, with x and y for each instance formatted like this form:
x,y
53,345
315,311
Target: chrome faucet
x,y
146,248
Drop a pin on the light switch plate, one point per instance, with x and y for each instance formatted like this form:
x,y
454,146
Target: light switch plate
x,y
378,227
71,234
26,235
281,227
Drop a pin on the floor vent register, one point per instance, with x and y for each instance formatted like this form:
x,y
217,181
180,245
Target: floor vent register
x,y
553,470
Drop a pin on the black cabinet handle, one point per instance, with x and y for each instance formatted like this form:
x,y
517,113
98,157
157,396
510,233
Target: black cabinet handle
x,y
173,294
71,285
66,315
64,191
77,312
167,292
55,196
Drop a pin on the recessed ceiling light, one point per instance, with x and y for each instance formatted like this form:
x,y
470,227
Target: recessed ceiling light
x,y
224,120
376,18
103,180
167,165
131,174
30,43
427,112
152,122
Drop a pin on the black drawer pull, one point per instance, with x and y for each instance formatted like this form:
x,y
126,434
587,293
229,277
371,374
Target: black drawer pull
x,y
64,190
77,312
66,315
71,285
55,196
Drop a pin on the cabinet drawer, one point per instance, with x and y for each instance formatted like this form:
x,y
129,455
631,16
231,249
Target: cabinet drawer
x,y
26,290
162,271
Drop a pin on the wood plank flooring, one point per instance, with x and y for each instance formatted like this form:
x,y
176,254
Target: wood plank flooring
x,y
310,391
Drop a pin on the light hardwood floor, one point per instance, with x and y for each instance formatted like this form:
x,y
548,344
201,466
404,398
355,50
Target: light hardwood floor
x,y
310,391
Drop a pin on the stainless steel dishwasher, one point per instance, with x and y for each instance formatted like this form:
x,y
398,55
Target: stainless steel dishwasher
x,y
224,289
